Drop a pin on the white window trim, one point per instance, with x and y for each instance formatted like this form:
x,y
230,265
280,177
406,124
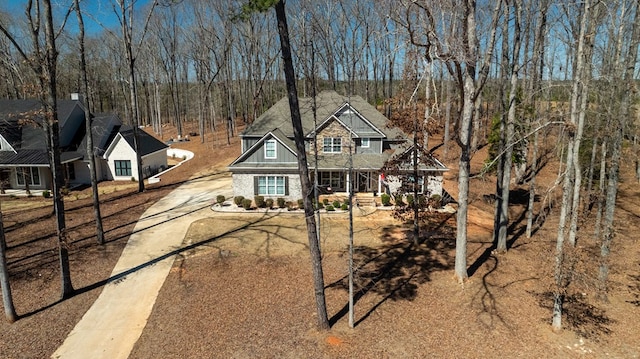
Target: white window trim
x,y
275,150
367,140
330,147
271,183
129,168
32,182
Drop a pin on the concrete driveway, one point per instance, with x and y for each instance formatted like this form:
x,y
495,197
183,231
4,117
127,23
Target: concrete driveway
x,y
113,324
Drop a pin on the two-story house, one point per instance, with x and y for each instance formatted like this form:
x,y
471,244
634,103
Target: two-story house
x,y
344,133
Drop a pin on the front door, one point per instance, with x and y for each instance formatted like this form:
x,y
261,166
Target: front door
x,y
364,182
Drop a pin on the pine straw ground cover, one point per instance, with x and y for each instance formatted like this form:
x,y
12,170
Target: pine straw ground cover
x,y
246,292
32,255
249,295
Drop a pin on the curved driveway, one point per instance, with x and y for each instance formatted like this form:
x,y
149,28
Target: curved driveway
x,y
113,324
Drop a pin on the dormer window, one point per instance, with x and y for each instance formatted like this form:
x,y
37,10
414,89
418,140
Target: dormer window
x,y
270,151
332,145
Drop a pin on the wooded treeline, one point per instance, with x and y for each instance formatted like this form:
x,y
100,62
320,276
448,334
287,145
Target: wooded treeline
x,y
198,61
509,74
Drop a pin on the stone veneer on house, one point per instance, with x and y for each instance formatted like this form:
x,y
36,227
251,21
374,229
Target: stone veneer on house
x,y
335,129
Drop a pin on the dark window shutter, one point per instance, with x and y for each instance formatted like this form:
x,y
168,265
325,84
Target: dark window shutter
x,y
255,185
286,185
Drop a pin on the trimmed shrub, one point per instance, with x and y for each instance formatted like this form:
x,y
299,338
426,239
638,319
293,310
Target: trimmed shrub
x,y
269,202
46,194
220,199
422,200
246,203
289,206
319,205
301,203
435,201
259,200
344,207
386,199
281,202
410,200
398,200
329,208
346,201
238,200
325,201
336,204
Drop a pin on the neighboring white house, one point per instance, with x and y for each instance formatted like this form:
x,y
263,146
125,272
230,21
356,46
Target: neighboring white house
x,y
121,159
23,147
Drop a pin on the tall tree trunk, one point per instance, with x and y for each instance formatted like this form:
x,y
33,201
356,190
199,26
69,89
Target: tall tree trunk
x,y
501,245
619,122
532,185
636,151
569,182
44,65
534,87
89,133
307,191
464,169
7,297
472,84
447,119
126,23
601,188
53,130
134,118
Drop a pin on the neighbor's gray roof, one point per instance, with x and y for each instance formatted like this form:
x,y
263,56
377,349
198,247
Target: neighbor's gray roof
x,y
24,157
21,126
104,127
148,143
327,103
29,134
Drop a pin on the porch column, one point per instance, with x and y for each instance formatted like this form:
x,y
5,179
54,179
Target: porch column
x,y
379,183
348,183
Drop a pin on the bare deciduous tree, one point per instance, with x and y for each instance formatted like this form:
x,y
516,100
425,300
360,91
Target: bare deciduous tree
x,y
88,130
43,63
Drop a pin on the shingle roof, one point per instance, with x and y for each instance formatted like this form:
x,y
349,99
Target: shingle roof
x,y
361,161
427,162
327,103
148,143
29,113
21,122
104,127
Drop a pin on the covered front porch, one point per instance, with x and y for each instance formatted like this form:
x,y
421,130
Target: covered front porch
x,y
334,181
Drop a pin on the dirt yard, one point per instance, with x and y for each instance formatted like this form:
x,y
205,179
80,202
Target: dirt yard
x,y
245,291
